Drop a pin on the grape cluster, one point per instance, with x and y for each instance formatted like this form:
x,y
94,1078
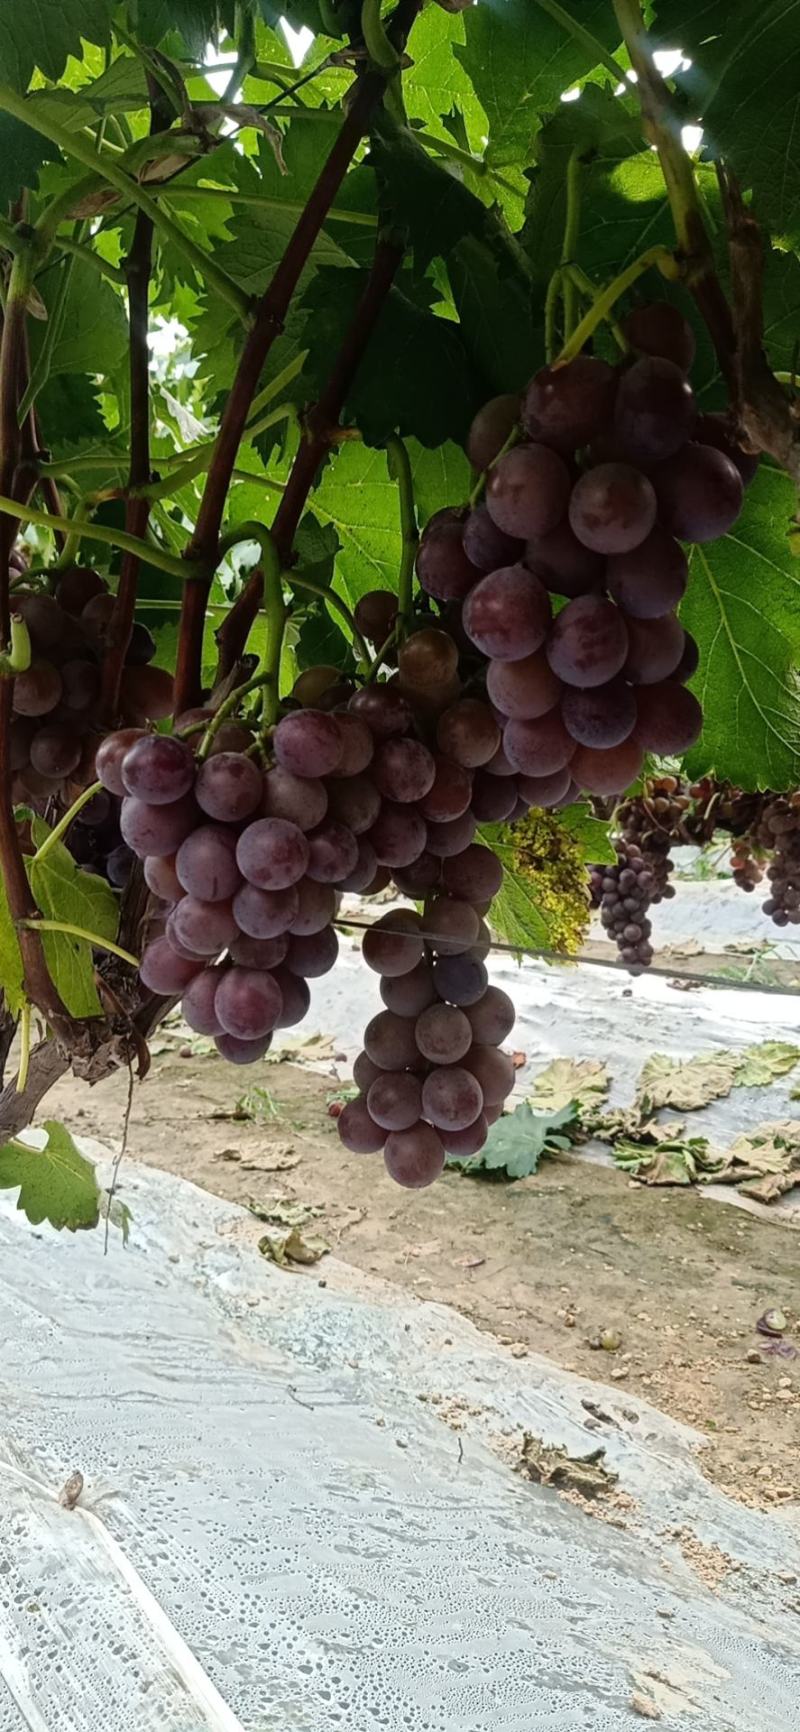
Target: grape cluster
x,y
53,737
623,893
249,864
613,470
779,832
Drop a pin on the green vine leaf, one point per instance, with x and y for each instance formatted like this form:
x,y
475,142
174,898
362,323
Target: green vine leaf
x,y
22,152
359,500
517,1141
743,607
12,975
46,35
56,1183
63,892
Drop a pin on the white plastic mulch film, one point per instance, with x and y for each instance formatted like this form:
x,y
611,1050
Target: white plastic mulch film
x,y
277,1533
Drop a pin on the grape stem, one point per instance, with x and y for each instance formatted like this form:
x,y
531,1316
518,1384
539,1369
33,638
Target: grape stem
x,y
569,245
225,710
93,938
16,659
147,550
400,470
24,1046
589,289
513,439
607,298
274,610
63,824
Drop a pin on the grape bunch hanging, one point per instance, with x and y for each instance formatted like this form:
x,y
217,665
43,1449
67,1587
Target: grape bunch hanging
x,y
544,660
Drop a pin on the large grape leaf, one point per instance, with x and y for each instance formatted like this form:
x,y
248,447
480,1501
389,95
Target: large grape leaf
x,y
743,606
92,331
64,893
436,81
56,1183
357,496
22,152
45,33
745,83
12,977
521,61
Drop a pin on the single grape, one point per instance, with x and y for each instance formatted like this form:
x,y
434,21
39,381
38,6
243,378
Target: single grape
x,y
147,694
660,329
451,925
650,580
394,945
499,765
204,928
77,586
332,853
163,971
156,829
316,907
563,564
408,994
99,812
468,1142
451,837
565,406
247,1003
475,875
43,617
160,877
427,658
460,980
55,750
655,647
312,684
699,493
80,683
230,737
540,747
364,870
524,689
158,769
422,875
394,1100
97,613
544,792
612,508
452,1098
449,793
669,719
197,1004
296,998
398,835
229,787
20,735
479,951
375,614
414,1158
308,743
690,659
272,853
491,1017
491,428
468,733
313,955
442,1033
389,1041
303,800
381,881
354,802
603,716
206,864
358,1130
365,1072
141,646
242,1051
38,690
403,770
493,797
264,913
527,491
357,745
588,643
507,614
383,708
608,771
486,546
259,952
494,1070
119,865
717,430
654,409
443,568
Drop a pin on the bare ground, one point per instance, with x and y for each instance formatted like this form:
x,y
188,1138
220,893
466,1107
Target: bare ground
x,y
543,1264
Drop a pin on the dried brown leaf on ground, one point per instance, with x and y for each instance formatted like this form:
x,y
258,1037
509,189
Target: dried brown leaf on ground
x,y
582,1080
283,1245
686,1083
763,1064
547,1464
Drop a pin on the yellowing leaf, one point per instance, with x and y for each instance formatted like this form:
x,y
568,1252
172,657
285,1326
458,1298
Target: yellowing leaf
x,y
687,1083
760,1065
56,1183
582,1080
291,1245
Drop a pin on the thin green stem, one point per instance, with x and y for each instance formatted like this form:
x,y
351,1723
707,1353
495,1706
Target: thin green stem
x,y
227,709
275,613
17,659
10,240
61,828
110,537
513,439
571,27
569,245
608,297
551,311
74,145
586,287
400,470
71,931
41,371
478,164
290,207
24,1046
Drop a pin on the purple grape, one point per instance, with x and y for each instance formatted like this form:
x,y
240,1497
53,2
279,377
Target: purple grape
x,y
296,998
228,787
493,798
408,994
301,799
119,865
527,491
383,709
308,743
612,508
544,791
491,427
443,1034
389,1041
316,907
608,771
364,870
588,643
651,580
450,791
494,1070
468,733
365,1072
563,564
444,840
669,719
660,329
393,945
699,493
540,747
247,1003
654,409
717,430
443,568
332,853
358,1130
164,972
690,659
452,1098
486,546
468,1142
206,864
507,614
158,769
655,647
398,835
394,1100
272,853
491,1017
156,829
204,928
523,689
109,756
460,980
357,745
423,874
475,875
260,953
603,716
313,955
414,1158
355,802
197,1004
566,406
242,1051
265,913
403,770
160,877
